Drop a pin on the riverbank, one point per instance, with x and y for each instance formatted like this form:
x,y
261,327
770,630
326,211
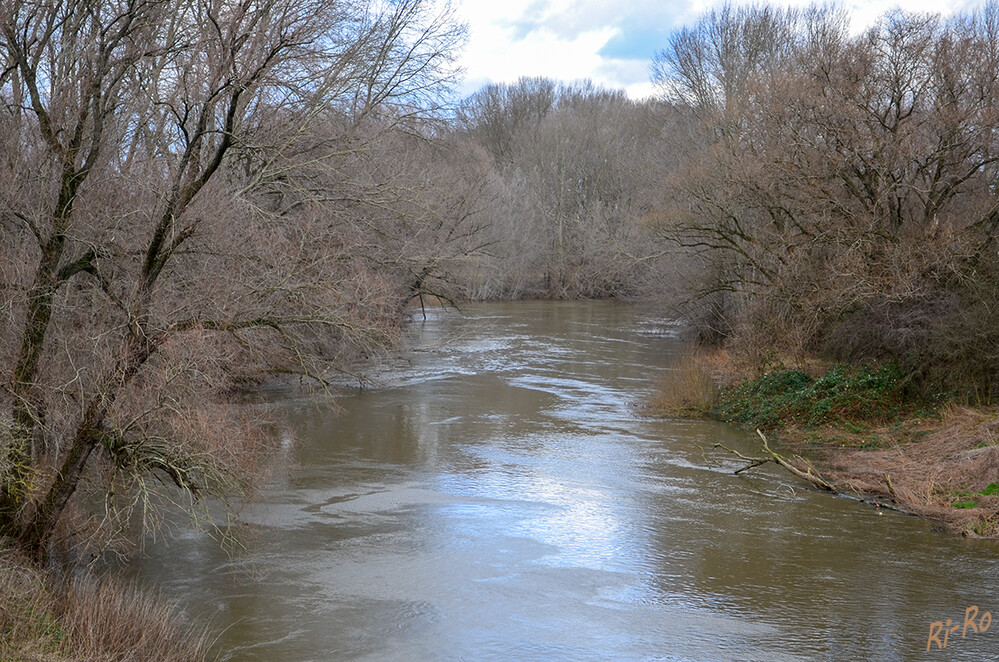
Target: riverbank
x,y
859,429
944,467
87,618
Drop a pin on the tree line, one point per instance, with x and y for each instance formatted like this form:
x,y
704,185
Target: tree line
x,y
574,170
200,194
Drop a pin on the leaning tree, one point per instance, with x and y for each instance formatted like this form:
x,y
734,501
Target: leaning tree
x,y
164,234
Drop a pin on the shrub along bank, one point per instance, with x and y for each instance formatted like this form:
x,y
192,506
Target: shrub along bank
x,y
86,619
845,396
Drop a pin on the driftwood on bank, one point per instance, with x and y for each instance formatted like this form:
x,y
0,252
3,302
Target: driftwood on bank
x,y
779,460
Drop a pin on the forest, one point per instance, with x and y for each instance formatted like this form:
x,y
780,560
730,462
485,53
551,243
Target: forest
x,y
200,196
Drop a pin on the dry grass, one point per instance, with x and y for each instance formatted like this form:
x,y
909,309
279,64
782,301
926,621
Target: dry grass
x,y
87,620
689,388
941,476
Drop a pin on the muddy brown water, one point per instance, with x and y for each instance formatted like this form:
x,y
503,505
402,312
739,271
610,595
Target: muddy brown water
x,y
496,497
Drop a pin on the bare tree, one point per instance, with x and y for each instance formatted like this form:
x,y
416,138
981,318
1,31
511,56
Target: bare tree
x,y
574,172
711,65
498,115
845,200
153,256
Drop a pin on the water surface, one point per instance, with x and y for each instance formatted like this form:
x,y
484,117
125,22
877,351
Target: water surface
x,y
496,497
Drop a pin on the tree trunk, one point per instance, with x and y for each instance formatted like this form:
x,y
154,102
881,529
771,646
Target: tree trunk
x,y
28,408
36,531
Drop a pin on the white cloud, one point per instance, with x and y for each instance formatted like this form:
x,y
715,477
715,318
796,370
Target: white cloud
x,y
563,39
628,74
865,14
503,45
540,53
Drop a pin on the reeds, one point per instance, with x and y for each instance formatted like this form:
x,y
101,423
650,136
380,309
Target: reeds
x,y
88,619
688,388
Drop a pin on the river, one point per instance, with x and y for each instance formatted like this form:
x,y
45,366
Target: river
x,y
495,496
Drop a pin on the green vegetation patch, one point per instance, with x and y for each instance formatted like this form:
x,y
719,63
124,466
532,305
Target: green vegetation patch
x,y
966,499
850,397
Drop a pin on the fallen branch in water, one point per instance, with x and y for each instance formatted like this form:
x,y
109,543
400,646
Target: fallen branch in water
x,y
753,461
779,460
807,476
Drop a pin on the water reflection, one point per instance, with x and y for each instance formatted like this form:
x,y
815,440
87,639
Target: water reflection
x,y
498,499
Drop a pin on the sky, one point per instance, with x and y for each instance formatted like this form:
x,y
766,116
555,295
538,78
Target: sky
x,y
610,42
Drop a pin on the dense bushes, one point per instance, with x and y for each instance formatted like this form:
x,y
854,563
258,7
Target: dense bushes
x,y
947,341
